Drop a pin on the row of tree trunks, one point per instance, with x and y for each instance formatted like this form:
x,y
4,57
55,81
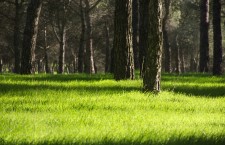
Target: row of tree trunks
x,y
122,45
30,36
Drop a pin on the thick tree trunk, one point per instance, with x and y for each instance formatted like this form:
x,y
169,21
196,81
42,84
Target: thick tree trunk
x,y
153,45
82,40
107,50
135,20
30,36
89,58
16,38
166,45
122,45
204,36
217,37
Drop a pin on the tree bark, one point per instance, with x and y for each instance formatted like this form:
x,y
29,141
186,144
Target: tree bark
x,y
30,36
89,58
62,47
47,70
166,45
122,45
204,36
1,65
135,20
217,37
177,55
152,45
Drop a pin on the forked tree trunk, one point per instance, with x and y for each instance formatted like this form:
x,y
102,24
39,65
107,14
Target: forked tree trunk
x,y
204,36
122,45
217,37
152,45
30,36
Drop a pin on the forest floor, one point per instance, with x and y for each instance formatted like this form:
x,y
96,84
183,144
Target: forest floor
x,y
83,109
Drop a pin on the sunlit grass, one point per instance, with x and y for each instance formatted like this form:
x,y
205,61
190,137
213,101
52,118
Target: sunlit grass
x,y
83,109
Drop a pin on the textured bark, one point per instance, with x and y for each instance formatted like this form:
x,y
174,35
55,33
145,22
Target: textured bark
x,y
135,16
166,45
30,36
122,45
152,45
89,58
217,37
107,50
204,36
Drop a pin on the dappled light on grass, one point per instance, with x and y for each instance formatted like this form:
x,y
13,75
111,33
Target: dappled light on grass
x,y
71,109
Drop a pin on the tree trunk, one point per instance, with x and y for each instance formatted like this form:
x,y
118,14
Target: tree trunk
x,y
47,70
122,45
107,51
177,55
1,65
142,36
89,58
217,37
153,45
204,36
62,51
16,38
82,40
135,19
30,36
166,45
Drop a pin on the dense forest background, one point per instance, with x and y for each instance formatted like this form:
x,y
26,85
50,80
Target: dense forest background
x,y
84,29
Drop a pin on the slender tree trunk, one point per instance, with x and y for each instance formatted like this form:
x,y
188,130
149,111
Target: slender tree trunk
x,y
166,45
1,65
62,51
204,36
217,37
30,36
107,51
89,59
16,38
122,45
82,40
153,45
177,55
135,20
182,60
47,70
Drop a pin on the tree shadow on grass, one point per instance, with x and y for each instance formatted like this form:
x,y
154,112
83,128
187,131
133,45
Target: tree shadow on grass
x,y
20,89
171,141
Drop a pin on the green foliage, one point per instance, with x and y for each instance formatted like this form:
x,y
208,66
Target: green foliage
x,y
83,109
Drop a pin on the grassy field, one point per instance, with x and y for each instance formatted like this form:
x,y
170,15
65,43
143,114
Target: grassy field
x,y
83,109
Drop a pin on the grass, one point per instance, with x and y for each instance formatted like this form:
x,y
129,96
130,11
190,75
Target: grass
x,y
83,109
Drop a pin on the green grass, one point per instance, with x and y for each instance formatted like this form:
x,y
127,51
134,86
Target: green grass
x,y
83,109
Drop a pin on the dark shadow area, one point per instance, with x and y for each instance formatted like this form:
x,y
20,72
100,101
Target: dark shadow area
x,y
188,141
60,78
18,89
